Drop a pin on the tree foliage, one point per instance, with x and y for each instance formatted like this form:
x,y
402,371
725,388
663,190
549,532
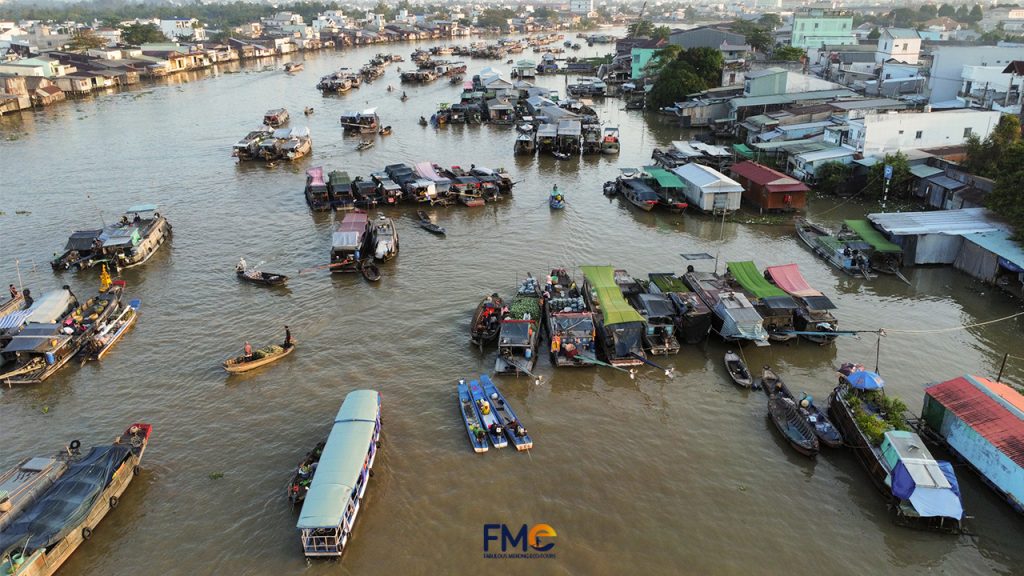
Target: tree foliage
x,y
641,28
901,177
86,39
1001,156
138,34
495,17
947,11
788,53
832,176
985,157
759,37
661,33
770,21
681,72
674,82
875,34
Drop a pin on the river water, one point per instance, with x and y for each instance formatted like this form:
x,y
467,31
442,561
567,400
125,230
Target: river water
x,y
655,476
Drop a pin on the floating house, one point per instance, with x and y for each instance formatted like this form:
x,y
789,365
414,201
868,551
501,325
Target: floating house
x,y
708,190
768,189
993,257
982,423
932,237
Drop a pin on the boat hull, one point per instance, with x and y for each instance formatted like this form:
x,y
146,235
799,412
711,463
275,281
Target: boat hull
x,y
234,367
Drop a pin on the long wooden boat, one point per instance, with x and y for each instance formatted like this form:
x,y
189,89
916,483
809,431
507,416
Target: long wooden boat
x,y
738,371
486,320
693,322
888,457
348,243
423,219
735,317
494,427
262,357
28,480
787,419
620,328
113,331
514,429
383,240
827,434
130,242
519,335
844,251
570,322
471,418
345,468
45,535
776,308
813,321
302,477
658,310
369,270
12,305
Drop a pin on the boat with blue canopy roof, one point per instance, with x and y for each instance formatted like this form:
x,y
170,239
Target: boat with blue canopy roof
x,y
335,496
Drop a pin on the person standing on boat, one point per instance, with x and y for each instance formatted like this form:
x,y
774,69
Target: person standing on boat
x,y
287,337
242,265
13,291
247,350
28,298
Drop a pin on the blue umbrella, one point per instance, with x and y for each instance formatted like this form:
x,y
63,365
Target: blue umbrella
x,y
865,380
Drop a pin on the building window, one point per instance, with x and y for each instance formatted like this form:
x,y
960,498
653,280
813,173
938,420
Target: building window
x,y
919,134
815,25
901,132
967,132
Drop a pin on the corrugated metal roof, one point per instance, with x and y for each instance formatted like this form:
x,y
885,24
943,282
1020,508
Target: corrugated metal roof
x,y
924,170
999,243
953,222
708,179
965,398
767,177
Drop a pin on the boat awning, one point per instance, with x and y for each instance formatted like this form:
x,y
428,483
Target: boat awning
x,y
664,178
346,240
50,306
789,278
916,476
819,303
614,308
868,233
140,209
658,305
341,462
120,237
515,332
747,275
83,239
36,344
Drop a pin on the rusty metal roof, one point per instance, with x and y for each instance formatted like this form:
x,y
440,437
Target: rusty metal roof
x,y
974,400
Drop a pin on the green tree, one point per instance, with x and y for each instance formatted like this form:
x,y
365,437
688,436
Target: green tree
x,y
875,34
690,14
947,11
675,82
661,58
985,157
1007,197
759,39
770,21
495,17
86,39
544,13
928,11
385,10
831,177
962,13
976,14
138,34
641,28
661,33
903,17
706,63
788,53
901,177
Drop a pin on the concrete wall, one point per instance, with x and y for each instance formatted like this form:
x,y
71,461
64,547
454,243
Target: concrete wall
x,y
947,66
878,134
812,31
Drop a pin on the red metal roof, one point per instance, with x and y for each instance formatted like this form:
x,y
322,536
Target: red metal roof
x,y
773,180
964,397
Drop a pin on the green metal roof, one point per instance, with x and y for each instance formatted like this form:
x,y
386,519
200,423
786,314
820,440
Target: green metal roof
x,y
665,178
752,280
868,233
341,462
742,150
614,308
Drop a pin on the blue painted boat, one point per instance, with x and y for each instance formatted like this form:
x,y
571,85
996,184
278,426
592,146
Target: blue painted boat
x,y
557,200
514,429
471,417
494,427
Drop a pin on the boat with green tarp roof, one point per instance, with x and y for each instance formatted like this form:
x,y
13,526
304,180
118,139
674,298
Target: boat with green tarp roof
x,y
771,302
620,327
884,255
668,187
845,249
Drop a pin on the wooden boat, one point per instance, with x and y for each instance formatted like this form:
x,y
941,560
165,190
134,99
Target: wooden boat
x,y
556,201
486,321
404,97
385,131
737,370
111,333
776,308
63,517
791,424
570,322
693,322
276,118
424,221
28,480
308,111
383,238
619,327
262,357
658,310
370,271
861,392
844,250
735,318
293,67
827,433
561,155
514,429
494,427
471,418
303,475
364,145
265,278
520,333
639,193
423,121
335,496
348,243
813,320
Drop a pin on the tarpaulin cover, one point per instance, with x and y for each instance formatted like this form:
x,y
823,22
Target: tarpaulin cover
x,y
658,306
918,478
67,503
82,239
789,278
819,303
664,178
614,308
752,281
867,233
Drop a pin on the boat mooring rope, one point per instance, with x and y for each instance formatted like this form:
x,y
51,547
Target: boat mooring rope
x,y
884,331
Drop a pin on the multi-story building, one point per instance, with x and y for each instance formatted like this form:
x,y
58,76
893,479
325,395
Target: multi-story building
x,y
815,28
879,134
581,7
899,44
183,28
946,79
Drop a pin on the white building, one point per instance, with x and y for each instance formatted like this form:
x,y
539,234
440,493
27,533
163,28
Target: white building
x,y
880,134
708,190
900,44
183,28
581,7
330,20
946,77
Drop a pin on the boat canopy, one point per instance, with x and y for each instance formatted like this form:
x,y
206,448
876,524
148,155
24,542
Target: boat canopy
x,y
642,190
668,282
917,477
50,307
342,461
865,380
84,239
547,131
789,278
13,320
664,178
426,170
746,274
145,211
515,333
34,344
614,308
338,178
316,176
867,232
116,237
658,306
66,504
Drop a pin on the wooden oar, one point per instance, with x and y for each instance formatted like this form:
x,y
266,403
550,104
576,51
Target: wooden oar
x,y
592,360
670,372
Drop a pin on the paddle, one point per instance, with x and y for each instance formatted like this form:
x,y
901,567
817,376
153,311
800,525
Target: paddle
x,y
592,360
670,372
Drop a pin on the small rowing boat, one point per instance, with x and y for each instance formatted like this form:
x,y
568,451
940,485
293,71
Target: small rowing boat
x,y
737,370
261,357
370,271
827,434
303,475
426,224
556,201
486,321
364,145
791,424
265,278
111,334
493,426
514,429
471,418
385,131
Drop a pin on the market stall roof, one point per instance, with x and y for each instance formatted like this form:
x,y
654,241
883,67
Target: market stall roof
x,y
614,308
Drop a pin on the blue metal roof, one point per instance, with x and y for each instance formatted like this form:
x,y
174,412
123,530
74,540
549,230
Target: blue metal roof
x,y
999,243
